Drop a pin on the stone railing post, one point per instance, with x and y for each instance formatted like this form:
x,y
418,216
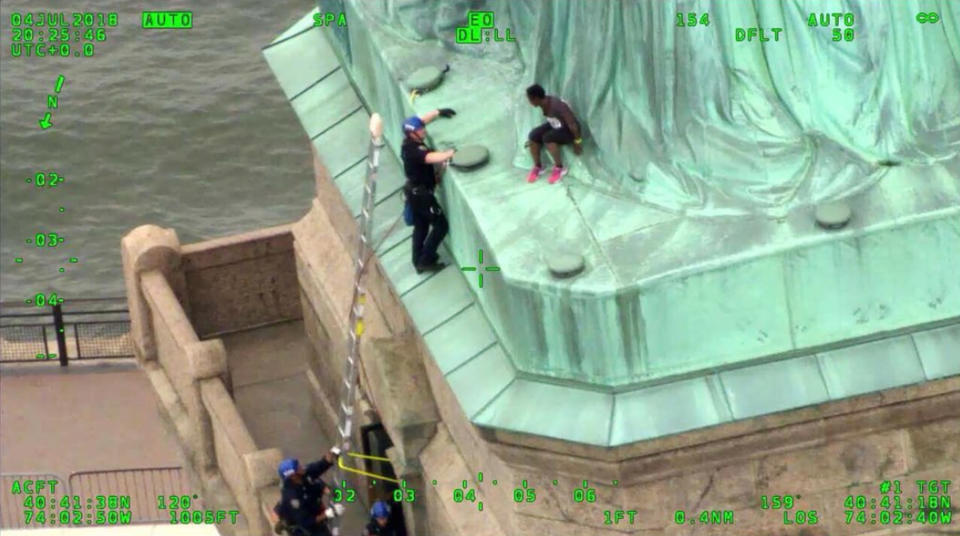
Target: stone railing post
x,y
208,359
146,248
261,469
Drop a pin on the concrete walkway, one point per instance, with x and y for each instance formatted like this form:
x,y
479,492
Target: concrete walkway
x,y
270,387
105,416
80,418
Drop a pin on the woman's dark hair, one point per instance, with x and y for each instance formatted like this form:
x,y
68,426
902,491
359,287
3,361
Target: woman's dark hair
x,y
536,92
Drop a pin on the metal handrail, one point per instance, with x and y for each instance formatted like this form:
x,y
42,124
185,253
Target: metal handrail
x,y
23,315
106,312
71,312
86,322
61,321
12,303
125,470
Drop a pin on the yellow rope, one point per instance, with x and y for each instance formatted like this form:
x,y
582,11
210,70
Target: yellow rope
x,y
364,473
368,457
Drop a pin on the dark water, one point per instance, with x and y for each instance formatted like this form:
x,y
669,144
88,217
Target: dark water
x,y
180,128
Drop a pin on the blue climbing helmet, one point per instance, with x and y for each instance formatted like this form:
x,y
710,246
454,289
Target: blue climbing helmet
x,y
412,123
288,467
380,509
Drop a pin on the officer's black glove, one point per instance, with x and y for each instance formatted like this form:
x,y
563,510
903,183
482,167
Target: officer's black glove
x,y
446,112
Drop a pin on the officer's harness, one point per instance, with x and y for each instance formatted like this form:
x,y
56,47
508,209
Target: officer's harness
x,y
417,190
409,189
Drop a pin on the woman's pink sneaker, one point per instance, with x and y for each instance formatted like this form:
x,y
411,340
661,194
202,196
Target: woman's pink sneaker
x,y
534,174
557,174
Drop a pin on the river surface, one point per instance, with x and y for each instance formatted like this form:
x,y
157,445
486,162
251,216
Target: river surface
x,y
180,128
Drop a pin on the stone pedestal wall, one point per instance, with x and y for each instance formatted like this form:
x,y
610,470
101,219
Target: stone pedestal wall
x,y
818,454
241,281
190,375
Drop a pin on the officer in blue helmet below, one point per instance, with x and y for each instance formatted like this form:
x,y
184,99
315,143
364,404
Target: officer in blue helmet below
x,y
429,223
303,509
381,522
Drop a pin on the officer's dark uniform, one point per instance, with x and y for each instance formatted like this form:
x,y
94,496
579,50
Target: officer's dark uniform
x,y
429,223
300,503
374,529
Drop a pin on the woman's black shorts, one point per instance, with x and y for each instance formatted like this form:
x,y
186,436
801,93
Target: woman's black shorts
x,y
547,134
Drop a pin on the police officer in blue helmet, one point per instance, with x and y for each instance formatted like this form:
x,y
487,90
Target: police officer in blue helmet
x,y
429,223
303,509
381,523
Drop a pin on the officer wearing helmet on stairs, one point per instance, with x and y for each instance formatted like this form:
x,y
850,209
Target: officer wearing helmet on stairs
x,y
382,523
303,509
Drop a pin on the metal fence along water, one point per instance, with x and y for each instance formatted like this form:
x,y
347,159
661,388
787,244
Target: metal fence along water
x,y
78,329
